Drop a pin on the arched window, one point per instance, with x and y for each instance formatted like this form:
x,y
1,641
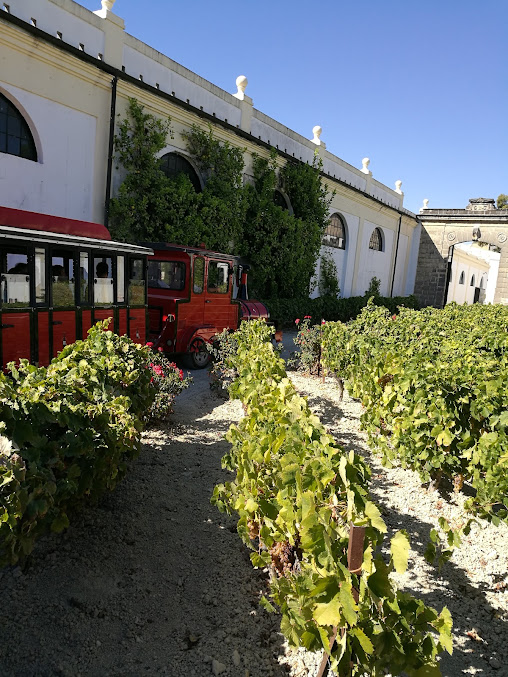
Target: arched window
x,y
15,135
462,277
173,164
376,240
482,282
335,233
471,284
280,200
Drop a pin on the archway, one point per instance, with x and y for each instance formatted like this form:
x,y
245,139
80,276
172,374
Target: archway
x,y
480,222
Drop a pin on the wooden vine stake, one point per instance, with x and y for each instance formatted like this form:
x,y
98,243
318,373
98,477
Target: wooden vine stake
x,y
354,564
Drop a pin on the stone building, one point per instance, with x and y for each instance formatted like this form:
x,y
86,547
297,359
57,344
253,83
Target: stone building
x,y
66,75
442,229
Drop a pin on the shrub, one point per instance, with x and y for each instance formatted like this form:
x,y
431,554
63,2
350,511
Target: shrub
x,y
168,381
69,431
284,312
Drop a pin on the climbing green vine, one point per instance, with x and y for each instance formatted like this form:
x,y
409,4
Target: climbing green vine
x,y
281,244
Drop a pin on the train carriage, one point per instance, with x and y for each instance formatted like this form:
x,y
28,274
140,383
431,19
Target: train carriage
x,y
58,277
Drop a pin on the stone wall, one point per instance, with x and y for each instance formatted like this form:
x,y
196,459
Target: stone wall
x,y
441,230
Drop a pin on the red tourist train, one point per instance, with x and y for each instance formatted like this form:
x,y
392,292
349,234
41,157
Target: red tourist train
x,y
59,276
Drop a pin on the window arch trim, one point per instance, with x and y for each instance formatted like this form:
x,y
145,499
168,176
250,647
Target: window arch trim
x,y
186,167
17,135
335,234
376,242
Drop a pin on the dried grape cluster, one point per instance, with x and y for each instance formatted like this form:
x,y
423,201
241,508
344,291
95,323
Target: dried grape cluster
x,y
285,557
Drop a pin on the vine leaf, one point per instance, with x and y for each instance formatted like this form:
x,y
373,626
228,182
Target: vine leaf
x,y
365,642
328,613
374,514
399,548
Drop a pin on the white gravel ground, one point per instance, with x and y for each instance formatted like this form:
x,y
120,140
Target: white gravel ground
x,y
155,581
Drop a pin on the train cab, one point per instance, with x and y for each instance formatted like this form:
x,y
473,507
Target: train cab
x,y
193,294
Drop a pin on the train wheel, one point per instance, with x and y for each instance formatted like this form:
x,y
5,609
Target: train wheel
x,y
198,356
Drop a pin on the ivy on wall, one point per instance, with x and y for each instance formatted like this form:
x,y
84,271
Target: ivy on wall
x,y
227,215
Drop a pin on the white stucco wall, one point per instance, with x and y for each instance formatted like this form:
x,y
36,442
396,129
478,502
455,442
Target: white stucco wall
x,y
374,263
76,24
61,182
471,267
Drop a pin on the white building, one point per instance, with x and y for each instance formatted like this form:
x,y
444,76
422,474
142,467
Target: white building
x,y
473,274
66,72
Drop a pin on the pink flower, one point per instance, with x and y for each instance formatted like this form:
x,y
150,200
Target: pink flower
x,y
159,349
297,321
308,317
394,317
149,344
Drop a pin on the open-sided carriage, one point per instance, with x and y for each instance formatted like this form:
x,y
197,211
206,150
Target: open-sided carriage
x,y
60,276
193,294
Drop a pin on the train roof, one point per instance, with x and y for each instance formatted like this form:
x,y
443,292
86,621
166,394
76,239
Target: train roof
x,y
45,228
203,251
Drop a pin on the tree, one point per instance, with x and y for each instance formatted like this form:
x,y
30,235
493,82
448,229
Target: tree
x,y
139,210
502,201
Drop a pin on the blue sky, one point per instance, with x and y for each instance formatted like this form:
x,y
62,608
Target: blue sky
x,y
421,88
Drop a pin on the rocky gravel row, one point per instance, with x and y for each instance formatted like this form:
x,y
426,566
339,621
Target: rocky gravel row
x,y
155,581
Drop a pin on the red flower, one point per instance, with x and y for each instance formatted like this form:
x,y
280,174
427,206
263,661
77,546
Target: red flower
x,y
149,344
323,322
308,317
297,321
181,375
159,349
394,317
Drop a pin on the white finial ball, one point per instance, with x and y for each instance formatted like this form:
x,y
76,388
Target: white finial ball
x,y
241,83
317,131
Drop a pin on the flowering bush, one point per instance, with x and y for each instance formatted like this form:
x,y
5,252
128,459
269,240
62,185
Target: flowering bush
x,y
307,358
167,381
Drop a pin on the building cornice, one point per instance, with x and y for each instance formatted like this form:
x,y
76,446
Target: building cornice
x,y
464,215
140,85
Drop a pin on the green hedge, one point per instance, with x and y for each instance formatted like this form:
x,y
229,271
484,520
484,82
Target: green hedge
x,y
296,492
284,312
68,432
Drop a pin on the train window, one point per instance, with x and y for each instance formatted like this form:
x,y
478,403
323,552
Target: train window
x,y
218,277
62,278
40,276
84,287
103,281
136,283
166,275
199,275
120,279
15,278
